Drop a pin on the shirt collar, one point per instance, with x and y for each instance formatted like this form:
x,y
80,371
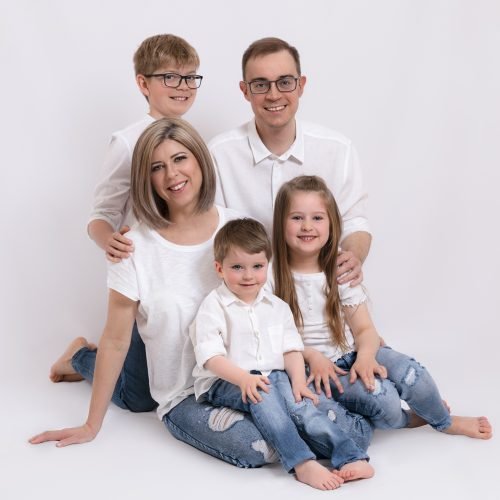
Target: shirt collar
x,y
260,151
228,297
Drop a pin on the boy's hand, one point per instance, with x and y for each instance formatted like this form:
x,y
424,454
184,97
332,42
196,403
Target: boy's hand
x,y
300,390
118,247
65,437
250,385
366,369
349,269
321,371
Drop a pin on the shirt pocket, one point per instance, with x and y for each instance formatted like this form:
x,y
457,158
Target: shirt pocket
x,y
276,338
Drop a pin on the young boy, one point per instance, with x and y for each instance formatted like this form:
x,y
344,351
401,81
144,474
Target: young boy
x,y
165,68
246,346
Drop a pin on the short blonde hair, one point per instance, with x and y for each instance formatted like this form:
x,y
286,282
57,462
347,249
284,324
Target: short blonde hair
x,y
247,234
148,207
162,50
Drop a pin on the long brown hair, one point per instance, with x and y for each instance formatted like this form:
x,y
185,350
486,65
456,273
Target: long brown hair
x,y
284,286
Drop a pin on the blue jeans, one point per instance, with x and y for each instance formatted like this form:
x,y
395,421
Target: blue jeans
x,y
279,418
406,380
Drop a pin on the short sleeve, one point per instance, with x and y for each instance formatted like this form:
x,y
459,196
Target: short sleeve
x,y
352,296
122,277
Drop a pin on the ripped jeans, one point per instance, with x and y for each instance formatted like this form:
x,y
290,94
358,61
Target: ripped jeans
x,y
407,380
221,432
289,426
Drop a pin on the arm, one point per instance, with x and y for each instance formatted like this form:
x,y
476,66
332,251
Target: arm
x,y
111,354
114,243
355,248
249,384
367,344
294,366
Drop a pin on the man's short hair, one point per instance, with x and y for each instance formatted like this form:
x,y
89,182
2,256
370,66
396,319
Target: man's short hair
x,y
162,50
247,234
266,46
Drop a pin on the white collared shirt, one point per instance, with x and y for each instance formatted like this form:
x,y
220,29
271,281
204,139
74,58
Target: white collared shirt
x,y
112,193
253,336
249,175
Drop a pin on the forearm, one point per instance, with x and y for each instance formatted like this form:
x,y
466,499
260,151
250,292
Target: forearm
x,y
294,366
367,343
358,243
225,369
100,231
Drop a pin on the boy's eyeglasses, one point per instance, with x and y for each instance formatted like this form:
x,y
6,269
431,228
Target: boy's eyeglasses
x,y
284,84
174,80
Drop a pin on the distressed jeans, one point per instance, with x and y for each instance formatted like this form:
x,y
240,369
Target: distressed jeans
x,y
221,432
279,418
406,380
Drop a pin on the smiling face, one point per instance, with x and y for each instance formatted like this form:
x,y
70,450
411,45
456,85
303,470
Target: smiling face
x,y
176,176
167,101
307,225
243,273
273,110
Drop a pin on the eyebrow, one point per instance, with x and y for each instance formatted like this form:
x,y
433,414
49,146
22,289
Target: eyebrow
x,y
267,79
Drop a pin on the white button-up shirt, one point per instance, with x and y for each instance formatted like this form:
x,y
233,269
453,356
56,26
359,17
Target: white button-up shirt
x,y
253,336
249,175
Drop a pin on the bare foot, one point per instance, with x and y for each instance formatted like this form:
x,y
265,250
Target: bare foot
x,y
415,421
474,427
314,474
360,469
62,370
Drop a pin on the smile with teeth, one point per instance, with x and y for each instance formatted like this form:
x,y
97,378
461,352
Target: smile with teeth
x,y
275,108
177,187
307,237
179,98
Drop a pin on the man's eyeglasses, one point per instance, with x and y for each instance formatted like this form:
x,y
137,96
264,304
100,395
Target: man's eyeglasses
x,y
174,80
284,84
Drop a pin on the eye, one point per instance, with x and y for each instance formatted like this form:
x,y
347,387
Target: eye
x,y
179,158
236,267
296,217
318,217
286,82
155,167
258,266
170,77
259,85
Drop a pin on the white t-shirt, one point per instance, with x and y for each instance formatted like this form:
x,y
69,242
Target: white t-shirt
x,y
253,336
249,175
169,281
112,193
311,296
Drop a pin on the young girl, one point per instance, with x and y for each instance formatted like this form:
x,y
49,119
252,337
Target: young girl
x,y
336,326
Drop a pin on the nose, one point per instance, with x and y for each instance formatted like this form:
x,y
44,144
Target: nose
x,y
273,93
183,84
247,274
306,225
171,170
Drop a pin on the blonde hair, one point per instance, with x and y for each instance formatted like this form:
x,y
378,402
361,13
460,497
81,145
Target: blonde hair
x,y
266,46
247,234
163,50
327,259
148,207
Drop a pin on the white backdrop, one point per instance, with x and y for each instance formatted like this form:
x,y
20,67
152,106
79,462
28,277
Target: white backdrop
x,y
415,84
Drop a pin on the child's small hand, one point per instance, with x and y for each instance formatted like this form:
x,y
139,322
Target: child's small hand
x,y
300,390
322,370
250,385
366,369
117,246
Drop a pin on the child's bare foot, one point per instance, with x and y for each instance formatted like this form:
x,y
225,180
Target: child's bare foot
x,y
474,427
62,370
360,469
415,421
314,474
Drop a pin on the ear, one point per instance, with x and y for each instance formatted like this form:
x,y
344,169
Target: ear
x,y
142,83
244,89
302,84
218,269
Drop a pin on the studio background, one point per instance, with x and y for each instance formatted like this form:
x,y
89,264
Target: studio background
x,y
413,84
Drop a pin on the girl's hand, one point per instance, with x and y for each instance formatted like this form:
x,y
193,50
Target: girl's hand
x,y
300,390
366,369
250,385
65,437
118,247
321,371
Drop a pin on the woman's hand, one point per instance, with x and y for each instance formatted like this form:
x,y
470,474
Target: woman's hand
x,y
117,247
250,385
321,371
65,437
366,368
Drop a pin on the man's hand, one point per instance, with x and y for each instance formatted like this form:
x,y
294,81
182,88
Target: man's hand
x,y
349,269
117,247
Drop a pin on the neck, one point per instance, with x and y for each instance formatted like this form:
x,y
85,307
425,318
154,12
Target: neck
x,y
308,264
277,140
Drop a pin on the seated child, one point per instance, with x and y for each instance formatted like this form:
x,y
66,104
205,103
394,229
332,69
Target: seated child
x,y
307,231
247,346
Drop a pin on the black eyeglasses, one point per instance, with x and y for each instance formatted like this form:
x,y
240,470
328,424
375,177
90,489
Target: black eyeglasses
x,y
174,80
283,84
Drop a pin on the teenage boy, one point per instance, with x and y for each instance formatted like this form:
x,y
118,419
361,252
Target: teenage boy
x,y
255,159
166,74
